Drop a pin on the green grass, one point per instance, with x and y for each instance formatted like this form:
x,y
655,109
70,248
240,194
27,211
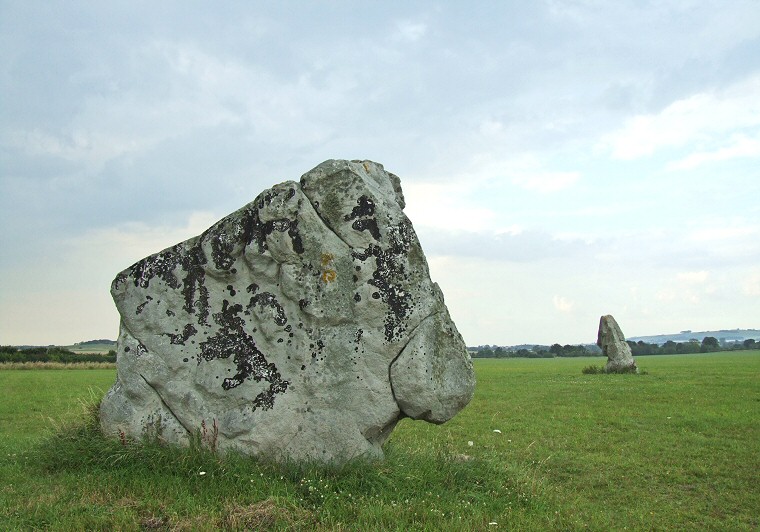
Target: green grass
x,y
676,448
91,348
56,365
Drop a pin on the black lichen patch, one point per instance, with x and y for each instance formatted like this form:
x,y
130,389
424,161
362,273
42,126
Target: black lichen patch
x,y
194,283
295,237
388,276
141,306
365,207
361,214
266,299
180,339
183,268
232,339
222,246
369,224
163,265
120,279
160,265
254,230
317,350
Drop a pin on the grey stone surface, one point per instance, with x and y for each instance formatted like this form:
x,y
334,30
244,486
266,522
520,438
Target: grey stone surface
x,y
303,326
614,346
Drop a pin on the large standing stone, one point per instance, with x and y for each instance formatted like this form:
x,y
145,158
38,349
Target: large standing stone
x,y
303,326
614,347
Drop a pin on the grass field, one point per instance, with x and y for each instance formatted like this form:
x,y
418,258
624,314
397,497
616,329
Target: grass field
x,y
677,448
91,348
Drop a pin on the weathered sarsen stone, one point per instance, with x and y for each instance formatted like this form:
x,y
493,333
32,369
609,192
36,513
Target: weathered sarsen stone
x,y
303,326
614,347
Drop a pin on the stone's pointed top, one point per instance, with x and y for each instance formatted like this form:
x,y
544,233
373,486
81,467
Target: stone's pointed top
x,y
301,327
612,341
610,329
383,183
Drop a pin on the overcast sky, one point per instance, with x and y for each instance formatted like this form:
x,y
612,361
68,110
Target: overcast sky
x,y
560,160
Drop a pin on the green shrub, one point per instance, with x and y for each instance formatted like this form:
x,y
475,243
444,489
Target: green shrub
x,y
596,370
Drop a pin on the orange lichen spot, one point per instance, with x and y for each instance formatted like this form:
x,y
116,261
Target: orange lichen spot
x,y
329,276
327,258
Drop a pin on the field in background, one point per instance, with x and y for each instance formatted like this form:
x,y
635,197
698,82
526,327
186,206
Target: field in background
x,y
88,348
677,448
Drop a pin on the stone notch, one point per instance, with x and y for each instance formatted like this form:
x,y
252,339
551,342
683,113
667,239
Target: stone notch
x,y
614,347
303,326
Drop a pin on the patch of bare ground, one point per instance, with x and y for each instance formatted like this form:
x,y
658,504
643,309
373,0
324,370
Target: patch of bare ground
x,y
264,515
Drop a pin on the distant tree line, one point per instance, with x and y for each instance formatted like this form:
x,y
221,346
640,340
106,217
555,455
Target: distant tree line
x,y
538,351
51,354
709,344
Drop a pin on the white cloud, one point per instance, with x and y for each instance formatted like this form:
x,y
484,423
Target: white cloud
x,y
699,121
70,302
525,170
547,182
407,30
738,146
751,285
562,304
693,277
673,295
125,244
80,145
195,90
109,125
512,244
214,89
491,128
690,287
445,206
724,233
666,295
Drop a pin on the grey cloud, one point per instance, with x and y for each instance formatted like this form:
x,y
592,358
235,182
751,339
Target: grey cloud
x,y
527,246
144,111
663,251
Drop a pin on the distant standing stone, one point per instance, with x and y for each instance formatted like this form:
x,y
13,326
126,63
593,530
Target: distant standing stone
x,y
303,326
614,347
